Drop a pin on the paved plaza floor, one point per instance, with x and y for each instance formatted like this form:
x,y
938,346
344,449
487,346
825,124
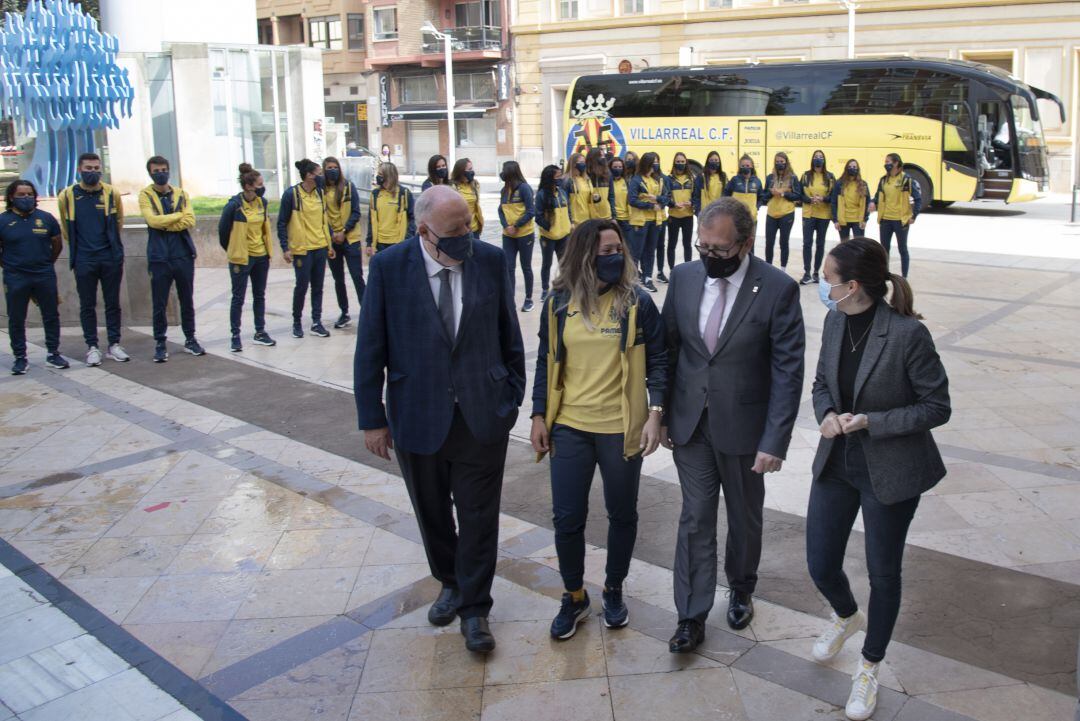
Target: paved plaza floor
x,y
209,539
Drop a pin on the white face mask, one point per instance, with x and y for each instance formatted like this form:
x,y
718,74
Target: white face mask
x,y
824,288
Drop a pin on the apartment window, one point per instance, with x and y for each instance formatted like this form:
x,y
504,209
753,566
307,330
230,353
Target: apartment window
x,y
568,9
474,86
633,7
325,32
418,89
385,23
356,31
266,32
473,14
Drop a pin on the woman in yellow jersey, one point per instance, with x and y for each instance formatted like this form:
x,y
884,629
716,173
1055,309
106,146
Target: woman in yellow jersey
x,y
343,211
710,184
578,190
390,218
646,196
463,180
304,233
620,209
601,373
746,188
437,172
680,221
851,202
817,187
782,191
244,233
898,202
516,212
599,177
553,217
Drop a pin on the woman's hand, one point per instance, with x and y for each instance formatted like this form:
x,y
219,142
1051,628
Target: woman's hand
x,y
331,253
650,434
539,435
830,427
287,256
510,231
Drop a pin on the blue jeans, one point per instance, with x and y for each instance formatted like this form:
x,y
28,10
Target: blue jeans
x,y
89,273
257,268
643,239
574,457
549,249
888,229
163,275
835,499
310,269
19,288
783,226
515,248
810,228
351,256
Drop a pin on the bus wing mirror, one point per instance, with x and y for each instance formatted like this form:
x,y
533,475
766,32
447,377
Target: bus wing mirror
x,y
1044,95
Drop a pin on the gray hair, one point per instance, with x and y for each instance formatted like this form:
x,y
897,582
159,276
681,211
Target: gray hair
x,y
731,208
431,199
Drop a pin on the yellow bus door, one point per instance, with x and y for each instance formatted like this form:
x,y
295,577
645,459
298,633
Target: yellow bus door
x,y
752,140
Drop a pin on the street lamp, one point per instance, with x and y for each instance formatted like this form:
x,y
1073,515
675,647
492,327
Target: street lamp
x,y
850,5
448,51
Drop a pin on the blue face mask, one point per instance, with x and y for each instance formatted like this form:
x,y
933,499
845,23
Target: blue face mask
x,y
160,177
824,288
616,172
609,268
458,247
320,182
333,175
25,204
580,167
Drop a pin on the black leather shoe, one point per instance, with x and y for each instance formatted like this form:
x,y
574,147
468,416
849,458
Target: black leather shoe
x,y
740,611
688,636
444,610
477,634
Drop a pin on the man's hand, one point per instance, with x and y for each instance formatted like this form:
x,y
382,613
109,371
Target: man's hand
x,y
765,463
287,256
650,434
539,435
379,442
665,439
830,427
852,424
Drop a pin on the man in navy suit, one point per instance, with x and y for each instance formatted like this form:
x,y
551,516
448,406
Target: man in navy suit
x,y
438,324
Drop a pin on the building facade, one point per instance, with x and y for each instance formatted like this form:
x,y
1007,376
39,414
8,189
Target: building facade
x,y
385,78
557,40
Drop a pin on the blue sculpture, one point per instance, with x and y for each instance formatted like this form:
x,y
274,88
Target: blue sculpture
x,y
59,79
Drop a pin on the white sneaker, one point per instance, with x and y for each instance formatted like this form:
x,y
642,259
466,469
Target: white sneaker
x,y
93,356
863,699
117,353
830,642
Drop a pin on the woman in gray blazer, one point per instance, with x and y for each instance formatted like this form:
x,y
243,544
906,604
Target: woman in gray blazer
x,y
880,388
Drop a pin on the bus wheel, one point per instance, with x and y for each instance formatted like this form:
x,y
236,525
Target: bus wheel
x,y
942,204
924,185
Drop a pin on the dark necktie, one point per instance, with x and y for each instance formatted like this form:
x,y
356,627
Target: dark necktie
x,y
446,304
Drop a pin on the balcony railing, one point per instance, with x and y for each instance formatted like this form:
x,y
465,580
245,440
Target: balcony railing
x,y
473,37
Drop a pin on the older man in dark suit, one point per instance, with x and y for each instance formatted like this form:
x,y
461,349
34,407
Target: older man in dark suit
x,y
736,344
438,323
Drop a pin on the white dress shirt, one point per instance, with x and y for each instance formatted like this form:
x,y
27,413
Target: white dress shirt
x,y
712,291
433,267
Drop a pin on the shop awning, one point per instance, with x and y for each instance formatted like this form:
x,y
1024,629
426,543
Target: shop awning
x,y
434,112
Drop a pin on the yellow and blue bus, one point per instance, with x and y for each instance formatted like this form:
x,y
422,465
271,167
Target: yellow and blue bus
x,y
966,131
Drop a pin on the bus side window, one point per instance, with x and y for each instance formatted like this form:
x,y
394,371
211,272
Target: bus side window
x,y
959,143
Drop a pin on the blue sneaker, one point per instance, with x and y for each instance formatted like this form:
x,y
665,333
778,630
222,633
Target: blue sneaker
x,y
297,330
55,360
570,615
161,353
235,345
317,329
20,366
616,615
192,346
263,338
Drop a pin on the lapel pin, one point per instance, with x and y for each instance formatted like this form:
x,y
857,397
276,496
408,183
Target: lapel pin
x,y
754,289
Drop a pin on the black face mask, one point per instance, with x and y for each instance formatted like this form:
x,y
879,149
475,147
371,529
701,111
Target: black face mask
x,y
721,267
440,173
853,171
781,166
260,192
379,180
631,166
888,167
609,268
504,177
458,247
333,175
160,177
680,167
616,172
469,175
714,165
90,177
744,171
580,167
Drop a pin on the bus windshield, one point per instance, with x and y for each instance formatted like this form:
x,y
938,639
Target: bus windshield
x,y
1029,138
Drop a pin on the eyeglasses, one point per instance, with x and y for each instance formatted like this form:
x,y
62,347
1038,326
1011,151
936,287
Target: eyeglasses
x,y
716,252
